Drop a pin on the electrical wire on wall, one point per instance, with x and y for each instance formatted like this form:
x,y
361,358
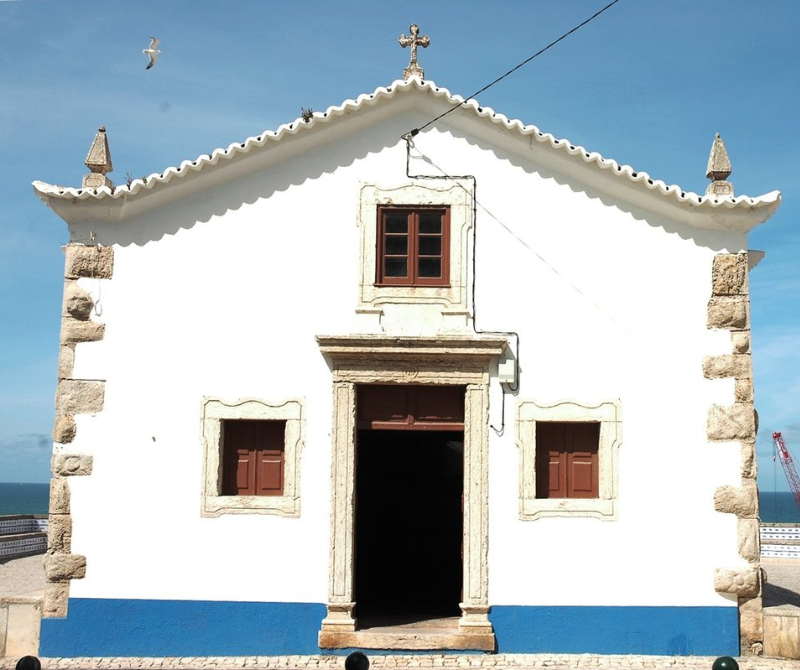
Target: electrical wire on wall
x,y
408,137
474,198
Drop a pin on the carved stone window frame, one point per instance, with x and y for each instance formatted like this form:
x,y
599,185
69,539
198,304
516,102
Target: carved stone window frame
x,y
214,411
608,415
457,196
378,359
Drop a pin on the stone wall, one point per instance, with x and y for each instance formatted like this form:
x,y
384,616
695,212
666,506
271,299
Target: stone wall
x,y
73,396
729,309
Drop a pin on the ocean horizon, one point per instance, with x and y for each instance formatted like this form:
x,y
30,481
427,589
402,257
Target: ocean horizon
x,y
775,507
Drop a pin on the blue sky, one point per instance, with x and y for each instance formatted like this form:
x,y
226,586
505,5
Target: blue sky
x,y
647,84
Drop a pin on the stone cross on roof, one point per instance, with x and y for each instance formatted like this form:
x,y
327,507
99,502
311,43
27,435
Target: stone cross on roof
x,y
414,41
98,161
719,169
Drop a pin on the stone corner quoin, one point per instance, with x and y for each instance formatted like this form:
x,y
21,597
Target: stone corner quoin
x,y
73,396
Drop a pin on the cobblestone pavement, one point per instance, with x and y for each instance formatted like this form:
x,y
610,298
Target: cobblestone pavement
x,y
497,661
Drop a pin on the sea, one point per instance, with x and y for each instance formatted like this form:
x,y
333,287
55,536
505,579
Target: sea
x,y
24,498
776,507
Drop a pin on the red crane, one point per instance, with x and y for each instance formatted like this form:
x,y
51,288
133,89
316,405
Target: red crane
x,y
789,469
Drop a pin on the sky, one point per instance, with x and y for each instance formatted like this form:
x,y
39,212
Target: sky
x,y
647,83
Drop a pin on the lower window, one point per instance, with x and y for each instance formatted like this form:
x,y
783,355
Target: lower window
x,y
568,459
251,457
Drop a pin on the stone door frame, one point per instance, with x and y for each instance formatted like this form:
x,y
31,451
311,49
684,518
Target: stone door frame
x,y
377,359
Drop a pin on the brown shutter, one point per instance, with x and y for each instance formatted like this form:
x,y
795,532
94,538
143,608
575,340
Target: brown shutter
x,y
410,407
253,457
566,459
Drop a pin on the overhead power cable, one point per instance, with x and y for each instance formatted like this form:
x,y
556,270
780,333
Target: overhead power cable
x,y
517,67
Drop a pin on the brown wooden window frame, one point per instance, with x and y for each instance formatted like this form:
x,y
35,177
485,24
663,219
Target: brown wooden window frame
x,y
414,253
253,457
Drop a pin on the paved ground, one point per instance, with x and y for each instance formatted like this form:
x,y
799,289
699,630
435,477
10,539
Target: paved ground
x,y
490,662
783,581
21,576
24,576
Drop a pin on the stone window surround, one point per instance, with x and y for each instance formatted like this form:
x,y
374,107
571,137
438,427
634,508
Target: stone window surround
x,y
214,411
377,359
455,195
607,414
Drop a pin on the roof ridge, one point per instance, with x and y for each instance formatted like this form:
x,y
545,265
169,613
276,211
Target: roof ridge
x,y
296,126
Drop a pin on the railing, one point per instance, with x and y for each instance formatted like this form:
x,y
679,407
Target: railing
x,y
22,535
780,540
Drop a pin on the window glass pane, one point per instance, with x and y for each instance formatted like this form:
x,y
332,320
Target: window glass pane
x,y
430,222
430,267
396,245
430,246
396,267
396,222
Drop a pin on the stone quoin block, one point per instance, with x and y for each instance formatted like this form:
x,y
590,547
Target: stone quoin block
x,y
728,312
728,365
740,341
729,274
734,422
77,396
751,626
89,261
749,545
71,465
59,534
74,331
739,500
749,461
64,430
743,391
66,361
745,582
62,567
59,496
77,303
56,596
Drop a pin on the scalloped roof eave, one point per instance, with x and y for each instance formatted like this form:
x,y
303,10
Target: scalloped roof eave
x,y
49,191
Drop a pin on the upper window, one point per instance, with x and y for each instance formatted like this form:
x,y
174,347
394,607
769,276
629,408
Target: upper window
x,y
414,243
568,459
251,459
413,246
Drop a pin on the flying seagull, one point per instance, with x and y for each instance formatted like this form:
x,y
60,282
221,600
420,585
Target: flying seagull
x,y
152,51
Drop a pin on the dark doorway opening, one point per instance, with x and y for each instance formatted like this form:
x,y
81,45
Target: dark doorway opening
x,y
408,563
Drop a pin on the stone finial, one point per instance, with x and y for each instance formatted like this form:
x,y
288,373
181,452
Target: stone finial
x,y
719,168
98,161
414,41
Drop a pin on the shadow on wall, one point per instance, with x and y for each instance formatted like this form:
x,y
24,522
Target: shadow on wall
x,y
711,239
304,161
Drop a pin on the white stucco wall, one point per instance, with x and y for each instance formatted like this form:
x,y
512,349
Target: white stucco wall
x,y
609,303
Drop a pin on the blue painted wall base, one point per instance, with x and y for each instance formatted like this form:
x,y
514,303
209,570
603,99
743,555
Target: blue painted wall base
x,y
671,631
101,627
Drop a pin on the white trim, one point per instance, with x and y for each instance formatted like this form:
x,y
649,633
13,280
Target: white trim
x,y
213,412
607,414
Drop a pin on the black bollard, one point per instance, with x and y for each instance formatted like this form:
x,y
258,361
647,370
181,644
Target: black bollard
x,y
29,663
356,661
725,663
